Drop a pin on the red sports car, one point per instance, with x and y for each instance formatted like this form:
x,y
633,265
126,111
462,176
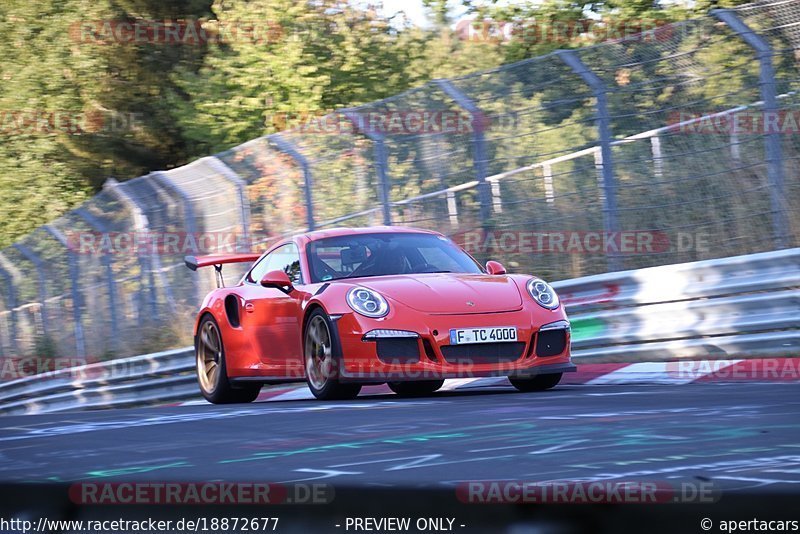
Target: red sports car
x,y
347,307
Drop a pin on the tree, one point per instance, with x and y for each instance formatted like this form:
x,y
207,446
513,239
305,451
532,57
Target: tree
x,y
321,56
77,104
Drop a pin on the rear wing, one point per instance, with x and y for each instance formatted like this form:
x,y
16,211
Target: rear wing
x,y
195,262
218,260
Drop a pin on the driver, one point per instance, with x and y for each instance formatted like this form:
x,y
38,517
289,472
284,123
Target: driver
x,y
393,261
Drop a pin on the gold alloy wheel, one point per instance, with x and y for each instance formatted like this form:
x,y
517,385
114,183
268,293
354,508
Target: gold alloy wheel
x,y
209,357
318,352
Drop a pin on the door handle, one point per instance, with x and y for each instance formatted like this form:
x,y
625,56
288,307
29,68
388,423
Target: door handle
x,y
249,307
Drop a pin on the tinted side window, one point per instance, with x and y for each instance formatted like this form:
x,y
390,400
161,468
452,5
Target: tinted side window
x,y
259,270
285,258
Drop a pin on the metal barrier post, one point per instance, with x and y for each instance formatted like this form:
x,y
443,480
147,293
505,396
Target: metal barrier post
x,y
140,225
658,161
42,286
381,167
11,303
549,191
105,258
609,185
772,141
450,197
77,299
229,174
381,163
308,179
189,222
480,159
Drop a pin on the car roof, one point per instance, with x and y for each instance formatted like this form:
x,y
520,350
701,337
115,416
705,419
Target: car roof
x,y
338,232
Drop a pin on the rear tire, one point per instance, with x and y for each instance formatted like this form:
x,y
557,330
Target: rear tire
x,y
212,374
322,355
419,388
536,383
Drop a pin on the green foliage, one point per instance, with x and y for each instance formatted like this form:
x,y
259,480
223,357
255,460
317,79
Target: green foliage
x,y
45,347
325,55
145,106
74,111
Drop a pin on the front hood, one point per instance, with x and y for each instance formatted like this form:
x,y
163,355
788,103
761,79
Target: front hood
x,y
449,293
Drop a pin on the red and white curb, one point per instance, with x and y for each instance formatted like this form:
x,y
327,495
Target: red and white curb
x,y
677,372
687,372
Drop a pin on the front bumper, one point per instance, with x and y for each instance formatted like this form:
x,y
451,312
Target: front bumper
x,y
542,346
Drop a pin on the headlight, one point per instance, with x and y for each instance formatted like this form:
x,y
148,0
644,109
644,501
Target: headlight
x,y
544,295
367,302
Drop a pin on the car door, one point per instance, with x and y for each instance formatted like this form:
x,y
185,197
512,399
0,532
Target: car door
x,y
273,317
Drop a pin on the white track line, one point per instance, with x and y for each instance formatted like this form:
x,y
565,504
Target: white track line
x,y
661,373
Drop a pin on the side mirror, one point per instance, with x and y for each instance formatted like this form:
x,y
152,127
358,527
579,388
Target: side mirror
x,y
495,267
278,279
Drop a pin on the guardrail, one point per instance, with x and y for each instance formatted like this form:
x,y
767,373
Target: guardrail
x,y
738,307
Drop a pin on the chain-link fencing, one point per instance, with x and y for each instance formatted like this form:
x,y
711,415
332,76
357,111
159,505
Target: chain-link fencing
x,y
675,145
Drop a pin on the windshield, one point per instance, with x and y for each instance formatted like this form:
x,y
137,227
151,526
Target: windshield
x,y
360,255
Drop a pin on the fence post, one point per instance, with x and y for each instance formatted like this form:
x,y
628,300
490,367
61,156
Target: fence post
x,y
106,260
609,185
11,303
308,179
658,161
381,162
452,208
486,197
450,196
77,299
229,174
549,192
734,142
142,226
155,270
381,167
42,285
189,221
772,141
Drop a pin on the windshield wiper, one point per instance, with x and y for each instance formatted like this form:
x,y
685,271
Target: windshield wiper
x,y
364,276
387,274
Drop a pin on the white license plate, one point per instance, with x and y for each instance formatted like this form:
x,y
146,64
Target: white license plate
x,y
495,334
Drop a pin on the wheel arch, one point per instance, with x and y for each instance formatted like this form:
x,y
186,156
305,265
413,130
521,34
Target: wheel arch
x,y
312,306
334,330
202,314
215,304
332,388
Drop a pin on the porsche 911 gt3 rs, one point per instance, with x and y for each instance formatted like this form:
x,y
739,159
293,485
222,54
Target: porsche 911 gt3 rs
x,y
347,307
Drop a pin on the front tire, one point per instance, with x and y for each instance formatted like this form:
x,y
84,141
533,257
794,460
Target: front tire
x,y
418,388
322,354
536,383
212,374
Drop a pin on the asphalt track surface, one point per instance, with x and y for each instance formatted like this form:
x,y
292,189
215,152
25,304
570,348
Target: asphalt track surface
x,y
742,437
